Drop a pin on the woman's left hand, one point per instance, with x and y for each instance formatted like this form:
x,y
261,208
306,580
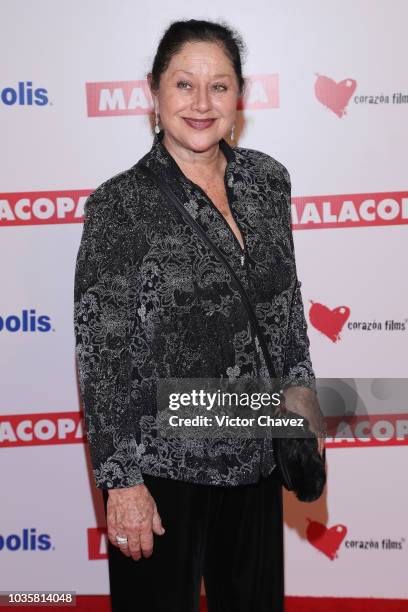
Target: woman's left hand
x,y
304,402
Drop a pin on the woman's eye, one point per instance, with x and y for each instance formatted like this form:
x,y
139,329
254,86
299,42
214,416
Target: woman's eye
x,y
187,85
182,84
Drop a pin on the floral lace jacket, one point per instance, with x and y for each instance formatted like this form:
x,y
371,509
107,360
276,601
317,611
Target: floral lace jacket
x,y
152,301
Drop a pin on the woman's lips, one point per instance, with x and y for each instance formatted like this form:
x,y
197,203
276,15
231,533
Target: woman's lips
x,y
199,124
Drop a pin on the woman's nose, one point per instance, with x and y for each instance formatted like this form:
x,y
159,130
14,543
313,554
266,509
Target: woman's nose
x,y
201,100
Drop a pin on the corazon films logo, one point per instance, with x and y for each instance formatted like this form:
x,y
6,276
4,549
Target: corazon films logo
x,y
326,540
328,321
335,96
113,98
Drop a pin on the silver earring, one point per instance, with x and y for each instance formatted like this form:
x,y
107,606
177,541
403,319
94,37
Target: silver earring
x,y
232,135
156,125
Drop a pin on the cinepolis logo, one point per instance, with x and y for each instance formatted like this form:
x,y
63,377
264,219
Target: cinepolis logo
x,y
27,321
24,94
110,98
27,540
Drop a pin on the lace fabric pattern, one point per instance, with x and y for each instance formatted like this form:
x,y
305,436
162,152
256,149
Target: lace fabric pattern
x,y
152,301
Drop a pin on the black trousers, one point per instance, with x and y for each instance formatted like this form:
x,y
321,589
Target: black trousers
x,y
230,535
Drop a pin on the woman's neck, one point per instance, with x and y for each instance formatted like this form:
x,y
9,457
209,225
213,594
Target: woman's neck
x,y
203,164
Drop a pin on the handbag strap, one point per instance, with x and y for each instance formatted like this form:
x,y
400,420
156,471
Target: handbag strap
x,y
170,197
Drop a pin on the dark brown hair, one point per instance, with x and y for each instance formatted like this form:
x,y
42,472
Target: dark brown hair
x,y
193,30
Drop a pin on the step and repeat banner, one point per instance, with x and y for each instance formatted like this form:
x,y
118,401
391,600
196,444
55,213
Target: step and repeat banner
x,y
327,95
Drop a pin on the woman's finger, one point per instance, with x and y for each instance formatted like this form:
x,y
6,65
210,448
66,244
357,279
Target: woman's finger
x,y
134,548
146,542
124,548
321,445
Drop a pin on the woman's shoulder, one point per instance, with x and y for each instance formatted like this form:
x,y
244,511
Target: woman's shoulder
x,y
122,183
119,191
268,163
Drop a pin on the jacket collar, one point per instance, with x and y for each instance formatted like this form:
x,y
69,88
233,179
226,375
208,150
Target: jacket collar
x,y
161,161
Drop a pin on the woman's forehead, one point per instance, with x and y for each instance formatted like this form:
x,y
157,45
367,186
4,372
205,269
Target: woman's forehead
x,y
199,56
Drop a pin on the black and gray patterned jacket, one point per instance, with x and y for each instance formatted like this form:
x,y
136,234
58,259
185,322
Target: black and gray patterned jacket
x,y
152,301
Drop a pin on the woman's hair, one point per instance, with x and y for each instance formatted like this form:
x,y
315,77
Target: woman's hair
x,y
180,32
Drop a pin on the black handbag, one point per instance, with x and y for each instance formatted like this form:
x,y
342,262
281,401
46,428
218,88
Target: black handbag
x,y
300,466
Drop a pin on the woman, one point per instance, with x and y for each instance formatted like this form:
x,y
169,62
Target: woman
x,y
152,301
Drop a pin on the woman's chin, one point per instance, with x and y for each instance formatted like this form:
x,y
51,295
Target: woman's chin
x,y
199,141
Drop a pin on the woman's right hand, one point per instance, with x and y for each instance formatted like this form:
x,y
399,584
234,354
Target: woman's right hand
x,y
132,513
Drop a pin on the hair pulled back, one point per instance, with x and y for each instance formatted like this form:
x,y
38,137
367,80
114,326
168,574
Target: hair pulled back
x,y
180,32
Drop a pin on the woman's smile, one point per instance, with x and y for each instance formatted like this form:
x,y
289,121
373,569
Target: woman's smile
x,y
199,124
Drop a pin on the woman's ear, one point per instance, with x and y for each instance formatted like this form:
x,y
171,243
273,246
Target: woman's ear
x,y
152,92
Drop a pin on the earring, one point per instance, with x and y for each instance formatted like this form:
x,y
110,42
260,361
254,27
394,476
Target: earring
x,y
156,125
232,135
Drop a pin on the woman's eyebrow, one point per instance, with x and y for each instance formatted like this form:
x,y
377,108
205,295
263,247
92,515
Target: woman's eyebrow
x,y
215,76
181,70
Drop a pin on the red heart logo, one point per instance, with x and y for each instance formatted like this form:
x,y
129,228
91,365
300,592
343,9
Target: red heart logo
x,y
329,322
334,95
326,540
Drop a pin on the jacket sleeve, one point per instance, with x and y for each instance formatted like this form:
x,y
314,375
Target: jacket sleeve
x,y
299,380
298,368
102,324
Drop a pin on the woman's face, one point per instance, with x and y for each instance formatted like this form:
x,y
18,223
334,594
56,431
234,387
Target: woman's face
x,y
197,96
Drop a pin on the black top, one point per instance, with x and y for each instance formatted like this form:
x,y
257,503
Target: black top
x,y
152,301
